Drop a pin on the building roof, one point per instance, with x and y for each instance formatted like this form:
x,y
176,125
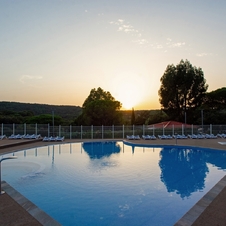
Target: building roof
x,y
169,124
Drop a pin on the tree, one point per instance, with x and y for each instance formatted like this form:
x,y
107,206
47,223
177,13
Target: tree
x,y
216,99
100,108
183,88
133,117
156,116
45,119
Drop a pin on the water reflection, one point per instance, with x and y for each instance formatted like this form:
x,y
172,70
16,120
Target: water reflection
x,y
98,150
183,170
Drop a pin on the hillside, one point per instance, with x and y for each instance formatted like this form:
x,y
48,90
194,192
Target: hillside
x,y
66,112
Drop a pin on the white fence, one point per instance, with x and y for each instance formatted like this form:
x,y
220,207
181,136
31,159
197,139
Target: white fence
x,y
107,132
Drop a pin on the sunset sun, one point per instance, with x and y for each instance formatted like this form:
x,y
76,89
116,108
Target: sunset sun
x,y
127,95
130,90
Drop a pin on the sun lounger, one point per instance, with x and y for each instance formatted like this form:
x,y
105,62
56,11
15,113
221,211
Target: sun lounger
x,y
27,136
2,137
222,143
178,136
193,136
221,135
153,137
52,139
59,138
45,139
210,136
201,136
136,137
146,137
149,137
19,136
165,137
130,137
12,136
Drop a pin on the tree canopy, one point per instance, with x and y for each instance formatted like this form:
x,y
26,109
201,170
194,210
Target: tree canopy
x,y
216,99
183,87
100,108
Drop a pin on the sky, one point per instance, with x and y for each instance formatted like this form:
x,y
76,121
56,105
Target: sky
x,y
56,51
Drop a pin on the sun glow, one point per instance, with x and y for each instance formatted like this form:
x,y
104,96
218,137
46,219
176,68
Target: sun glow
x,y
127,95
129,90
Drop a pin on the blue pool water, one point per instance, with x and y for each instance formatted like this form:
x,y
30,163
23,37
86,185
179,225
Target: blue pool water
x,y
113,183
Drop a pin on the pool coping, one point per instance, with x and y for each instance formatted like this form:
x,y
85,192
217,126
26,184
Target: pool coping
x,y
41,216
192,215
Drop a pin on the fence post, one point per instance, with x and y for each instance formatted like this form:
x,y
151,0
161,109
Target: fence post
x,y
24,128
2,130
81,132
133,130
173,129
182,128
123,131
70,132
92,132
210,129
113,132
163,129
36,129
143,130
13,129
59,130
48,129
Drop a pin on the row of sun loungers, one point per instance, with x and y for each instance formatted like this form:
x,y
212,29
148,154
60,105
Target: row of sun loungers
x,y
133,137
178,136
19,136
165,137
149,137
222,135
58,138
202,136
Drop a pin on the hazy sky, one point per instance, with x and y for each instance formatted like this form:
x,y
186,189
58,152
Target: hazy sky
x,y
56,51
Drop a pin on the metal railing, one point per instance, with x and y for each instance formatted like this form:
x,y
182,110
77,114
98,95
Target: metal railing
x,y
107,132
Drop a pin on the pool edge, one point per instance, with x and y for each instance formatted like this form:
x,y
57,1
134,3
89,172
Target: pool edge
x,y
41,216
192,215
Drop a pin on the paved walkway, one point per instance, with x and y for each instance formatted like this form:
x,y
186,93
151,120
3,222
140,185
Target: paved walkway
x,y
212,212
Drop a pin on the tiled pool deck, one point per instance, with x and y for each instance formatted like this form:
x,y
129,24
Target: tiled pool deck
x,y
17,210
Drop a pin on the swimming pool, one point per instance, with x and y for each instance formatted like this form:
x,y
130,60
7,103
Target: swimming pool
x,y
114,183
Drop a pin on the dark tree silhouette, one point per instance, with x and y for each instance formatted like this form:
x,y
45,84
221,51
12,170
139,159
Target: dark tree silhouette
x,y
183,88
100,108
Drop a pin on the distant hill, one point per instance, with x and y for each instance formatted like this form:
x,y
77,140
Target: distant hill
x,y
66,112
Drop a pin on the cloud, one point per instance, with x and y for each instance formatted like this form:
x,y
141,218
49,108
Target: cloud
x,y
172,44
203,54
178,44
27,78
141,41
126,27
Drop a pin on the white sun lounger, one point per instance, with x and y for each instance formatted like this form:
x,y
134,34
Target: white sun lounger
x,y
12,136
59,138
222,143
130,137
45,139
2,137
146,137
